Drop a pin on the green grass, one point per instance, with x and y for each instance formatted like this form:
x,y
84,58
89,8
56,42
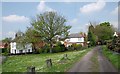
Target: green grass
x,y
95,64
114,58
19,63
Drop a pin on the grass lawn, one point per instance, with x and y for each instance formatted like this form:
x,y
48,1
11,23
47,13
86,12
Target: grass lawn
x,y
114,58
19,63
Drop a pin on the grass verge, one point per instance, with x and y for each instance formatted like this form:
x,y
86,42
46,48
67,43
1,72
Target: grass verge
x,y
113,57
19,63
95,64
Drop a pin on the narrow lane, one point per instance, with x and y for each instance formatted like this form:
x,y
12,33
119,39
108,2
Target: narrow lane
x,y
86,65
104,64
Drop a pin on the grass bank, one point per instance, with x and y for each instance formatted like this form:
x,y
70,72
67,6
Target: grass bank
x,y
19,63
113,57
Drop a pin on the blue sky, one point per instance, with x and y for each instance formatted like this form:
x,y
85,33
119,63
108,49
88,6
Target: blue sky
x,y
17,15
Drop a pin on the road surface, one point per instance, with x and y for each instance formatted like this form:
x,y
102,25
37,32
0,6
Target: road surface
x,y
100,64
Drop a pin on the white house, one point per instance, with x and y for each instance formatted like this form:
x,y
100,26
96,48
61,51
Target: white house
x,y
76,38
15,50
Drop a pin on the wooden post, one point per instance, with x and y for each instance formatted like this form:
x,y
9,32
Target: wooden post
x,y
65,56
31,70
49,63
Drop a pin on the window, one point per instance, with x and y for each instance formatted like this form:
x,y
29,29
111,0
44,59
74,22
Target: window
x,y
21,51
28,50
15,51
13,45
79,39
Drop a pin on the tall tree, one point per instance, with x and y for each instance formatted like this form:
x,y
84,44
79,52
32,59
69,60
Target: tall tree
x,y
48,25
33,37
7,40
104,31
7,43
91,38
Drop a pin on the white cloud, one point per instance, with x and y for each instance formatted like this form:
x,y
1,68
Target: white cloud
x,y
74,21
93,7
77,26
42,7
15,18
114,23
0,33
10,34
115,11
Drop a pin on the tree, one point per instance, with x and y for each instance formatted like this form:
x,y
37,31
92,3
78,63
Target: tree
x,y
101,32
48,25
91,35
91,38
33,37
7,43
7,40
104,31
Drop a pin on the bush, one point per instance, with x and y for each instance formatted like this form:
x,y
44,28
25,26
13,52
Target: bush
x,y
59,47
77,46
46,49
4,50
56,49
74,46
39,50
70,48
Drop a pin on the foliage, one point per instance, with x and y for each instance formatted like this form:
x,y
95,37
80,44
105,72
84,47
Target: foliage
x,y
32,36
114,45
57,49
44,49
91,36
104,31
101,32
77,46
5,51
113,57
7,40
48,25
70,48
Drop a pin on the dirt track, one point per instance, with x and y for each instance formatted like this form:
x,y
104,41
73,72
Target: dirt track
x,y
86,65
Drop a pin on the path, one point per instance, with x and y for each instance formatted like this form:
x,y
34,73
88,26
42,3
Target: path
x,y
101,64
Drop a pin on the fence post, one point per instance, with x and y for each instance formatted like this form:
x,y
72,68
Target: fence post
x,y
31,70
49,62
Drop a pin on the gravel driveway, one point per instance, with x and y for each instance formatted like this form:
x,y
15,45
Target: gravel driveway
x,y
86,65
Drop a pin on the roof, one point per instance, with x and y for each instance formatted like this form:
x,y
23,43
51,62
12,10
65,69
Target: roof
x,y
2,44
76,35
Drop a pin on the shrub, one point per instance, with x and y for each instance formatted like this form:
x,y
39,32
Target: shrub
x,y
56,49
4,50
79,46
59,47
46,49
39,50
74,46
70,48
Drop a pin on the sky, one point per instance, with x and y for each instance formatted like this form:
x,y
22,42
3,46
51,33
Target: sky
x,y
17,15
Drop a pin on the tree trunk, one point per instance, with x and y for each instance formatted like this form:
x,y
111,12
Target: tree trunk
x,y
33,47
51,47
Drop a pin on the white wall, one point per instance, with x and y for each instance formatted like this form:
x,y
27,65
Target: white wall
x,y
76,39
13,48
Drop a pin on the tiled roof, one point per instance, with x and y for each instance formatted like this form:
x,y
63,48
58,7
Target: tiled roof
x,y
76,35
